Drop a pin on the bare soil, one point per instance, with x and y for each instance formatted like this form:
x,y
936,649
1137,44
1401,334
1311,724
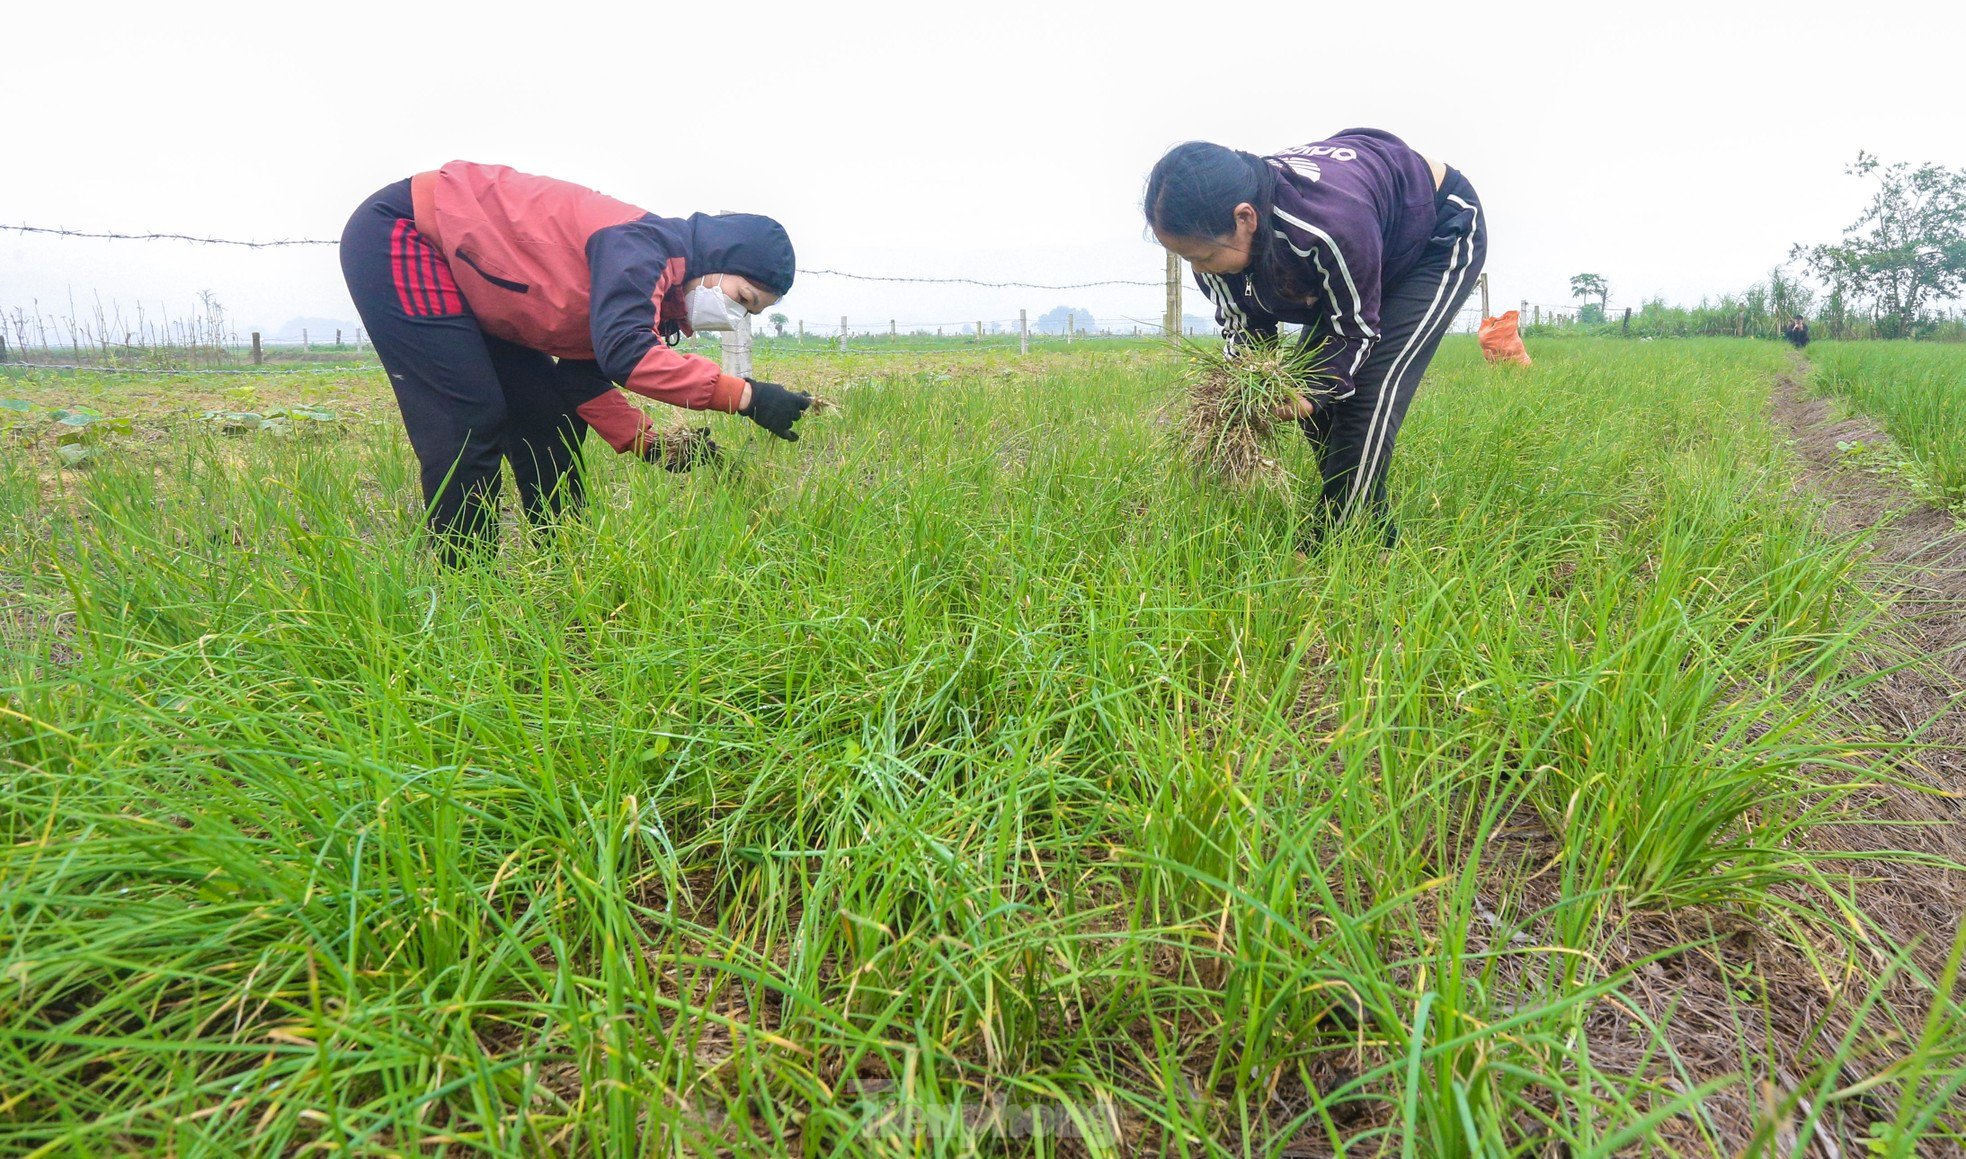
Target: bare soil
x,y
1918,565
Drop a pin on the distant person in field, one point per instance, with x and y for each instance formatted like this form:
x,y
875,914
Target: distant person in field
x,y
1366,243
507,308
1797,332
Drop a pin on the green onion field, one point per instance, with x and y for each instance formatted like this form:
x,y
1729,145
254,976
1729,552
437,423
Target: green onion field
x,y
971,778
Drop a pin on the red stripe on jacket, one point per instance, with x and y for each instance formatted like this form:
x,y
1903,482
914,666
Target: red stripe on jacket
x,y
424,286
399,265
448,296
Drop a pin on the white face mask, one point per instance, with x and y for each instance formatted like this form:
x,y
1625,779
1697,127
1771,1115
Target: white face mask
x,y
710,308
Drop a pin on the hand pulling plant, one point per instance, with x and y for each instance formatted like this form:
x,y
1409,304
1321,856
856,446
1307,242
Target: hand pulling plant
x,y
681,448
1238,404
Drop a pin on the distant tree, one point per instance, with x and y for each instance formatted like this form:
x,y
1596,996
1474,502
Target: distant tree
x,y
778,323
1592,286
1906,251
1052,321
1835,313
1788,297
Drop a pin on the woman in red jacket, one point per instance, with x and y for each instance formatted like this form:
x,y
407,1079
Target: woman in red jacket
x,y
507,308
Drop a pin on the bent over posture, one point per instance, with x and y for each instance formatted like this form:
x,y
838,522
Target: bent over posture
x,y
1358,238
506,309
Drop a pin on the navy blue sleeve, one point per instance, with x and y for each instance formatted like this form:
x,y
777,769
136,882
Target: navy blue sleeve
x,y
632,266
629,269
1337,366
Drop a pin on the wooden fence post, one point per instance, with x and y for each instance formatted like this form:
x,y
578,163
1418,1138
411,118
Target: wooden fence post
x,y
892,331
257,356
842,333
1171,318
303,341
1023,332
337,334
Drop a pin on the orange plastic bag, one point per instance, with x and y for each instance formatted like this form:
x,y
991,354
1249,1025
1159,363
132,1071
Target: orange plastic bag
x,y
1501,341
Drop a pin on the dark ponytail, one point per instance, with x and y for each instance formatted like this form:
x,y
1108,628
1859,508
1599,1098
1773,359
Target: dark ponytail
x,y
1193,191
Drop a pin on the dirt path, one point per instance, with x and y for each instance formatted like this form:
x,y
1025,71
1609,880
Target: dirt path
x,y
1919,558
1918,564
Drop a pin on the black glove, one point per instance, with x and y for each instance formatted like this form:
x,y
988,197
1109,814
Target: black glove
x,y
681,450
775,409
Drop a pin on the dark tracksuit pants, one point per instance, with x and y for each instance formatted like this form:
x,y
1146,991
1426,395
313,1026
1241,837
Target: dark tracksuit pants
x,y
1354,438
470,401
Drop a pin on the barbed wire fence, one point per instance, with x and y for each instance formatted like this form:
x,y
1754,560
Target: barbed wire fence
x,y
207,342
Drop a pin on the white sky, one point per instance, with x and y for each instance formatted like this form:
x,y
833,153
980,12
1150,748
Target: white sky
x,y
1677,148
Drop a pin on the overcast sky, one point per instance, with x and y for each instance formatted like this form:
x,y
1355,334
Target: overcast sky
x,y
1676,148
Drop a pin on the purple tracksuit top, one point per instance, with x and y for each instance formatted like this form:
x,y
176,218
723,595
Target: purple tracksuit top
x,y
1357,209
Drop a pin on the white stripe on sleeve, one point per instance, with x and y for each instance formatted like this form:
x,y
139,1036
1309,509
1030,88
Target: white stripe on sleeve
x,y
1358,303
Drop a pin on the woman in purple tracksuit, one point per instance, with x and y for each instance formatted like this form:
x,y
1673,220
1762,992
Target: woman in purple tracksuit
x,y
1365,243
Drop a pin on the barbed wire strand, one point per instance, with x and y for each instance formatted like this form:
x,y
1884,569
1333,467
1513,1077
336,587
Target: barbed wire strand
x,y
60,232
307,241
990,285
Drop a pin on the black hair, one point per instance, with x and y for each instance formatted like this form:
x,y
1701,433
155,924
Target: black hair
x,y
1193,191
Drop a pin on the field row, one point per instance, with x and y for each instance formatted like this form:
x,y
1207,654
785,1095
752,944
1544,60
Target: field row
x,y
1918,393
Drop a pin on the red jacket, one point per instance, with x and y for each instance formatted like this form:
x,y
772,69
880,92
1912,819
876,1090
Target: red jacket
x,y
574,273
